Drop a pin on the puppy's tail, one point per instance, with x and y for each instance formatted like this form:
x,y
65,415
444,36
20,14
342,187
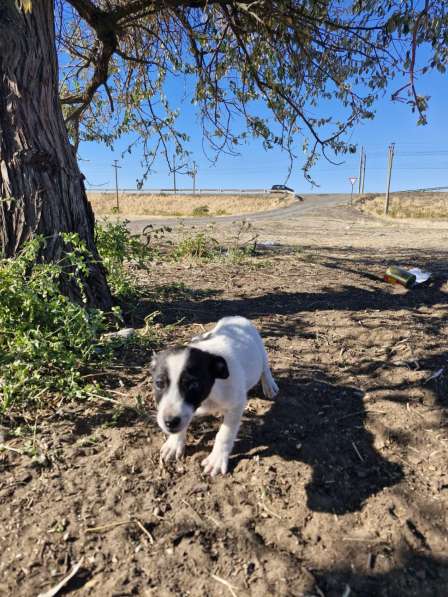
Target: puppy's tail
x,y
270,388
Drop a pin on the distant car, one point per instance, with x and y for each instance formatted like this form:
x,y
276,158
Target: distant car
x,y
281,187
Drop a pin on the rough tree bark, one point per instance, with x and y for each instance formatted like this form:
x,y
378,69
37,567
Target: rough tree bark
x,y
41,186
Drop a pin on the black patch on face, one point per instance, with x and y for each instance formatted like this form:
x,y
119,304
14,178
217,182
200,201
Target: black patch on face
x,y
196,380
201,370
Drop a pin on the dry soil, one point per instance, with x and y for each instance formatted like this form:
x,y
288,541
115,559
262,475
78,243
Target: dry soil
x,y
338,486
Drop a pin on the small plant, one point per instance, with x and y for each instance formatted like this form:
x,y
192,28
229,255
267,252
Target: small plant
x,y
244,243
45,339
202,245
197,246
117,247
201,210
245,238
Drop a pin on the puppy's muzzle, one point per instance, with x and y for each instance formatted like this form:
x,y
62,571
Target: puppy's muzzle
x,y
172,423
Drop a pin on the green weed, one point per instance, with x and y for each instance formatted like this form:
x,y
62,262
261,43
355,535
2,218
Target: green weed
x,y
118,247
48,342
203,246
45,339
199,246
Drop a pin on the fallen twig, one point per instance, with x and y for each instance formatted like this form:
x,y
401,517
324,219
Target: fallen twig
x,y
118,393
193,510
106,399
55,590
357,451
107,527
435,375
96,374
142,528
226,584
270,511
361,412
11,449
113,401
216,522
113,525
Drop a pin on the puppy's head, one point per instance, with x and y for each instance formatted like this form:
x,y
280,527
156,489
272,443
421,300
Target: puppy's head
x,y
183,378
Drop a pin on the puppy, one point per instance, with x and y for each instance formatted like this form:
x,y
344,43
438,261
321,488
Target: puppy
x,y
211,375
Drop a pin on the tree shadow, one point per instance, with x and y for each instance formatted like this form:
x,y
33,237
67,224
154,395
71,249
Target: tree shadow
x,y
173,300
435,363
420,575
176,300
322,425
348,298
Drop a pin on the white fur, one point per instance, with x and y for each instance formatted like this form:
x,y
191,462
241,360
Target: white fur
x,y
237,340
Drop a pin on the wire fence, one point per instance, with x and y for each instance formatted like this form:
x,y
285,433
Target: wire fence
x,y
185,191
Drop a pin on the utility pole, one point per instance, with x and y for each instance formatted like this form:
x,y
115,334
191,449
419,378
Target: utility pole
x,y
361,162
390,161
116,166
193,174
363,172
175,169
174,173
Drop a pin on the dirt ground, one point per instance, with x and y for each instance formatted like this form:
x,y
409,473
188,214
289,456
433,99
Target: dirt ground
x,y
338,486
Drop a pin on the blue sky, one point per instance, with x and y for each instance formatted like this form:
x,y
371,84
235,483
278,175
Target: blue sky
x,y
421,157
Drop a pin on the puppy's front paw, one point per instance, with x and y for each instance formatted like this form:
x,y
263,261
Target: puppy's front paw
x,y
216,462
172,448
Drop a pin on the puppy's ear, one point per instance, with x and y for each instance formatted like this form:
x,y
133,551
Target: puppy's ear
x,y
219,367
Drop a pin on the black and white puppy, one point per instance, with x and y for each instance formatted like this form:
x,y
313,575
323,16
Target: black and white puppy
x,y
211,375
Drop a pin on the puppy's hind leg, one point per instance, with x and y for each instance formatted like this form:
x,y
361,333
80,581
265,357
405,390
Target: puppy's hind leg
x,y
270,388
201,337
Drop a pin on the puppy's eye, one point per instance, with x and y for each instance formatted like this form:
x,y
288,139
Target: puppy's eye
x,y
160,384
193,386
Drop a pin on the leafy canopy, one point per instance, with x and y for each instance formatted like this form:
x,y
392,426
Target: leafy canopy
x,y
301,58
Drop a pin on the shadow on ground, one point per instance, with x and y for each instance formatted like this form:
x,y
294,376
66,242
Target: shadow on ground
x,y
372,293
322,425
348,298
420,575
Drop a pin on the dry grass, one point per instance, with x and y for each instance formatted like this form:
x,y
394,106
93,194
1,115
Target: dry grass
x,y
408,205
186,205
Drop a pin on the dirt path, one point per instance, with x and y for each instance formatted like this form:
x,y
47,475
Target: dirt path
x,y
338,487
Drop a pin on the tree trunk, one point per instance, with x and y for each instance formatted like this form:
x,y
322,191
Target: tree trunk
x,y
41,187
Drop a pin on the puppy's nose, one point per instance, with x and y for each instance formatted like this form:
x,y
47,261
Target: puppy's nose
x,y
172,422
